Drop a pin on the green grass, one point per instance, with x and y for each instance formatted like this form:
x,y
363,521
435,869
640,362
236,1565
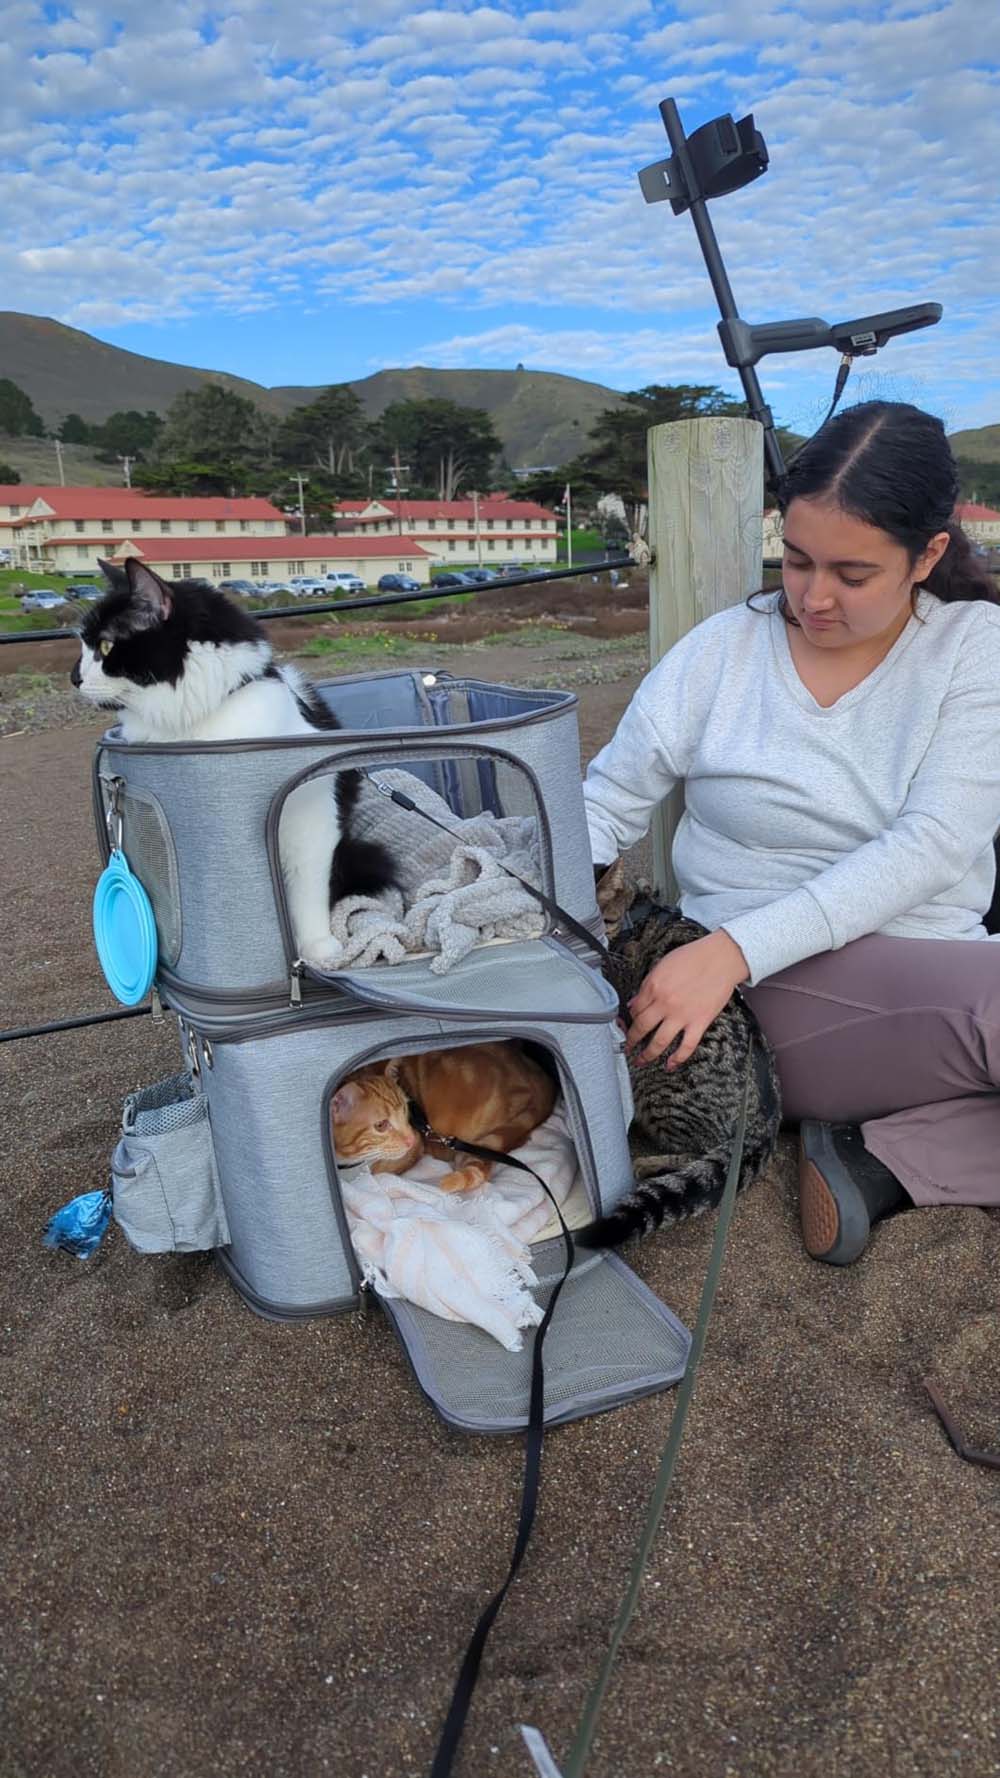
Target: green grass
x,y
393,647
527,635
28,581
585,543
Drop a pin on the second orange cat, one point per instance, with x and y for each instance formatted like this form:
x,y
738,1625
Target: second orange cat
x,y
489,1093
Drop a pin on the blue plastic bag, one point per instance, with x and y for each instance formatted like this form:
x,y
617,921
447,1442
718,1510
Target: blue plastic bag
x,y
79,1226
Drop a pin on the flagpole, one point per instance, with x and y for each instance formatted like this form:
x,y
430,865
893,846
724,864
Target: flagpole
x,y
569,528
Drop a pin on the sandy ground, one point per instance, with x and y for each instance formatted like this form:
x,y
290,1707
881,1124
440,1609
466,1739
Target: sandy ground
x,y
234,1547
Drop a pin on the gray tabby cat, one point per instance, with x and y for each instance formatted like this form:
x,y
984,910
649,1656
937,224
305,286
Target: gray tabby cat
x,y
682,1134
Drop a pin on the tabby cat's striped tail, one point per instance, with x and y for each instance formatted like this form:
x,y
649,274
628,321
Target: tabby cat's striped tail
x,y
668,1197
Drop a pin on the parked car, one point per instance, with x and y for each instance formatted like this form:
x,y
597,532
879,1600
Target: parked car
x,y
480,575
344,581
42,599
243,589
269,589
307,586
398,583
85,593
510,568
452,579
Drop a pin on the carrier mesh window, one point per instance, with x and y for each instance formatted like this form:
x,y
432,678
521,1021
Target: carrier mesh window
x,y
477,820
149,847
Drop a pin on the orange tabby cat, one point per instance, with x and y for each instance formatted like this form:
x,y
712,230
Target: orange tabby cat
x,y
490,1093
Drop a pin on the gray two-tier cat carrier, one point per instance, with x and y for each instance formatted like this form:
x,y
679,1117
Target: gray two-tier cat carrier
x,y
236,1154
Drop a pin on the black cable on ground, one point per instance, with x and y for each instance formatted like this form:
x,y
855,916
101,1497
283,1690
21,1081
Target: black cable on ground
x,y
94,1018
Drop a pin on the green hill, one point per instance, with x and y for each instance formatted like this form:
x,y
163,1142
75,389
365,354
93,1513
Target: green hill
x,y
541,416
980,443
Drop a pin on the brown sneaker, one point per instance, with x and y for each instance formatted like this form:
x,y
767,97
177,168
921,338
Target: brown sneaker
x,y
842,1190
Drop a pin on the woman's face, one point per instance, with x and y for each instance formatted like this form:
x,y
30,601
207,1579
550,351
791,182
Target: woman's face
x,y
847,582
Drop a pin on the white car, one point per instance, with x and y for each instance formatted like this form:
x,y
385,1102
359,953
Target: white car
x,y
342,581
306,586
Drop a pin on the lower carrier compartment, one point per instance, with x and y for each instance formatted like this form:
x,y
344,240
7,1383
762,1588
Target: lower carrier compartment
x,y
268,1081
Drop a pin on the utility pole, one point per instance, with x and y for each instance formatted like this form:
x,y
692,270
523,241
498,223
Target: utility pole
x,y
59,459
399,496
126,463
300,478
475,520
569,527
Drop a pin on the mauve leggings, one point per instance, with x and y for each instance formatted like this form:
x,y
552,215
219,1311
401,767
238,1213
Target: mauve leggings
x,y
902,1036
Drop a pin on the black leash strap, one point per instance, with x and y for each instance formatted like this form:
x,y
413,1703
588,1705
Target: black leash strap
x,y
461,1697
551,907
535,1742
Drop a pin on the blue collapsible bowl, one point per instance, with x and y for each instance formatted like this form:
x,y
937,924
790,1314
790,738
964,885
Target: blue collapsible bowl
x,y
124,931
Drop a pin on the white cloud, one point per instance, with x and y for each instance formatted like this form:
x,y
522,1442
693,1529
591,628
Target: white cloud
x,y
482,158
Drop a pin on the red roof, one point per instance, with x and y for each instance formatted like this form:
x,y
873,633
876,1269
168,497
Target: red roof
x,y
491,506
22,493
971,511
253,549
134,503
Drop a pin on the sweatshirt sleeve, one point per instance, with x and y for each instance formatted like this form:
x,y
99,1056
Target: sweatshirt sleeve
x,y
949,818
629,777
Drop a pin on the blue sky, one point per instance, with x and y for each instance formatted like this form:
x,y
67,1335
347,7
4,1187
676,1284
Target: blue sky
x,y
301,192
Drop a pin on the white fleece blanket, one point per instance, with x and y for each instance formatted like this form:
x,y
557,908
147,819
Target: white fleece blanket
x,y
454,894
464,1255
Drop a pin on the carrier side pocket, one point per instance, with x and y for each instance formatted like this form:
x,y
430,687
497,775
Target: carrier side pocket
x,y
164,1181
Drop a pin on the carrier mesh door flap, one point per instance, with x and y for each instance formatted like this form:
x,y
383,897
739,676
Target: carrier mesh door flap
x,y
610,1341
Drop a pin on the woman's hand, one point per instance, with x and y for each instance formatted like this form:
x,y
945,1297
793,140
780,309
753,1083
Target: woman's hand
x,y
681,996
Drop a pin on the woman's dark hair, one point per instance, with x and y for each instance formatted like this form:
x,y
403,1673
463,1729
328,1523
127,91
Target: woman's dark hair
x,y
890,465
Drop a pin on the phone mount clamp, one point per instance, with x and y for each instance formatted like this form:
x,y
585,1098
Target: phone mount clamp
x,y
718,158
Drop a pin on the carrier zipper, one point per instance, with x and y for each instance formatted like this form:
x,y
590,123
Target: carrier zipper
x,y
295,983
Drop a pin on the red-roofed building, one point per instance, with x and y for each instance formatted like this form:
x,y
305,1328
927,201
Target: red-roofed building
x,y
490,529
981,524
68,529
275,559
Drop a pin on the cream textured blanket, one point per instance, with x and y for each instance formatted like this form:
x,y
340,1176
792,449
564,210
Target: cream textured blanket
x,y
455,894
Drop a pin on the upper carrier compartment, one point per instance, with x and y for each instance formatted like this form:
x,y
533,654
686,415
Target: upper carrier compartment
x,y
201,826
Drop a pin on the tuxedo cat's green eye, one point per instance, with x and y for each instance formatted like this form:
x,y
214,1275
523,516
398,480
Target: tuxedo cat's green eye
x,y
105,647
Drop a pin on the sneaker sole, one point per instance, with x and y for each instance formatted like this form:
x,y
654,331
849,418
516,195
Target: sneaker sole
x,y
835,1225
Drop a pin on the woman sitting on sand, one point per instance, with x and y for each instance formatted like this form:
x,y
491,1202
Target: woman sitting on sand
x,y
839,745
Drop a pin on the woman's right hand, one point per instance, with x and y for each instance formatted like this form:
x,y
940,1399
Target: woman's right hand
x,y
681,996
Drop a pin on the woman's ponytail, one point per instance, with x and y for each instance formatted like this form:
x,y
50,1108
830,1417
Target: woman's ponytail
x,y
961,574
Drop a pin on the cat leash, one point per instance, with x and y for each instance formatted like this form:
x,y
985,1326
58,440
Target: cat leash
x,y
535,1742
461,1699
468,1674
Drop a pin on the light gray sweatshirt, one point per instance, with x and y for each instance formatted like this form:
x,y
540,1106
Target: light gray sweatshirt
x,y
807,827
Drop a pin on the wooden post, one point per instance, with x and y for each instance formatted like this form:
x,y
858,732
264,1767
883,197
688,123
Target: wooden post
x,y
706,486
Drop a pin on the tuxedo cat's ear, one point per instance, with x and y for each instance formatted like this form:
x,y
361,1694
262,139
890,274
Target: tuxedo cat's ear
x,y
114,575
152,601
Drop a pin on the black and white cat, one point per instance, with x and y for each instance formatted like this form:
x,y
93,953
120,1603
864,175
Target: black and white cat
x,y
182,663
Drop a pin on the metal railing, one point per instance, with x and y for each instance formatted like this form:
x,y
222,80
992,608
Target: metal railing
x,y
373,600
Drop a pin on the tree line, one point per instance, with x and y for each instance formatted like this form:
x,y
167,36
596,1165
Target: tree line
x,y
214,441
